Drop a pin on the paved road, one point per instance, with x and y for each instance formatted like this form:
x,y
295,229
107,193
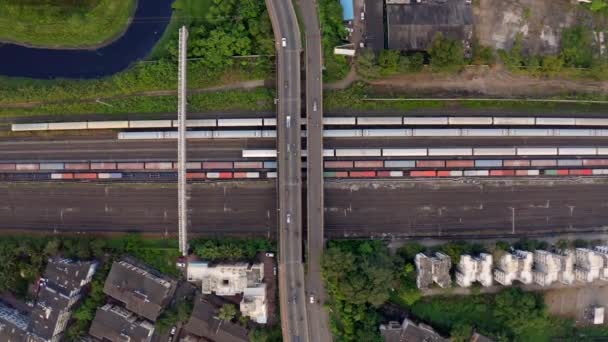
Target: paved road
x,y
318,319
405,208
294,318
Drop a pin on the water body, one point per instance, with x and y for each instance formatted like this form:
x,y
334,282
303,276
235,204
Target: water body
x,y
149,23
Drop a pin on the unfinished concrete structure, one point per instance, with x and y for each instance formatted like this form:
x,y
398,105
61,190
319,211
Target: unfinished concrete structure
x,y
603,252
433,269
253,304
589,265
551,267
470,270
514,266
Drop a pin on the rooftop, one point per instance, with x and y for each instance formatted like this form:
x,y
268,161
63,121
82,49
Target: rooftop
x,y
204,323
117,324
68,275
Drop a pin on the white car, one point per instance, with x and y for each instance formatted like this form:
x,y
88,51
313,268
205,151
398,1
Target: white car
x,y
283,42
270,255
288,218
288,121
314,106
312,299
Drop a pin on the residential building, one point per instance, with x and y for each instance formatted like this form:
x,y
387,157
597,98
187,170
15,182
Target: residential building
x,y
116,324
69,276
408,331
143,290
225,279
204,324
13,325
588,265
470,270
514,266
433,269
551,267
253,304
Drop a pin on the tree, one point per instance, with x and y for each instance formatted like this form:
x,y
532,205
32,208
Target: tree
x,y
445,53
366,64
576,47
388,60
227,312
461,332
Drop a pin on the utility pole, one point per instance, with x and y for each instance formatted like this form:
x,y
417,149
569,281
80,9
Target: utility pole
x,y
182,204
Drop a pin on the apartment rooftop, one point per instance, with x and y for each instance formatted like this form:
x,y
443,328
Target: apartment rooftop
x,y
204,324
114,323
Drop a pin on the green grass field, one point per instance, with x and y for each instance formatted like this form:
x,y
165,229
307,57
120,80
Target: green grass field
x,y
64,23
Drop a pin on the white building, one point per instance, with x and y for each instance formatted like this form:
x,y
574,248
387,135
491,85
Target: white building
x,y
514,266
589,265
433,269
551,267
233,279
470,270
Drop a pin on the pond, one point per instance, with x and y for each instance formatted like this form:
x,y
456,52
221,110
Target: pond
x,y
148,25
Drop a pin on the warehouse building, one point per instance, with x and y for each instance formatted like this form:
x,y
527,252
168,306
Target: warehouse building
x,y
514,266
431,270
470,270
412,25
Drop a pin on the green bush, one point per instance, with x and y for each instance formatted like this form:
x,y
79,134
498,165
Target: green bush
x,y
230,249
576,47
446,54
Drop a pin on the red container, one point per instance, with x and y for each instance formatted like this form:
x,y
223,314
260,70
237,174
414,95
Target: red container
x,y
130,166
504,172
339,164
595,162
423,173
444,173
369,163
85,175
217,165
384,173
248,165
460,163
562,172
516,163
159,165
361,174
27,167
544,162
224,175
103,166
521,172
67,176
579,172
77,166
341,174
195,175
7,167
430,163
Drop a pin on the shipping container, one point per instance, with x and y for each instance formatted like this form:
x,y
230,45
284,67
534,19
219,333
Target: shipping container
x,y
502,173
191,165
270,164
396,173
430,163
543,162
363,152
195,175
108,124
362,174
56,176
115,175
404,152
575,151
130,166
384,173
423,173
217,165
240,175
600,171
248,165
259,153
476,173
77,166
460,163
150,124
51,166
400,163
595,162
213,175
159,166
527,121
225,175
569,162
516,163
67,176
555,121
369,164
271,175
103,166
339,164
422,121
533,172
488,163
27,166
580,172
329,174
456,173
90,175
463,120
444,173
550,172
495,151
7,167
341,174
104,175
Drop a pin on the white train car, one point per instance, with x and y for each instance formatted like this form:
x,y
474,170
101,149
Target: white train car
x,y
358,152
555,121
387,132
141,135
150,124
342,133
577,151
259,154
436,132
494,151
531,132
591,122
537,151
404,152
65,126
337,121
514,121
240,122
484,132
422,121
463,151
108,124
380,120
470,120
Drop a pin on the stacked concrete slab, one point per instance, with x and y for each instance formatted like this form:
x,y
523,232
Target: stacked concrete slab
x,y
551,267
589,265
434,269
514,266
474,269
